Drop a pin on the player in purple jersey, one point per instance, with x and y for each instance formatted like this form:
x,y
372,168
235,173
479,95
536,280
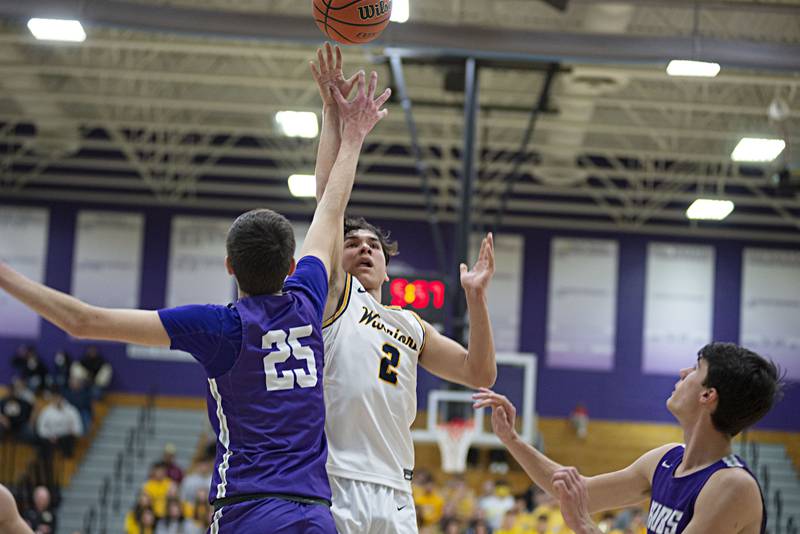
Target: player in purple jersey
x,y
696,488
263,354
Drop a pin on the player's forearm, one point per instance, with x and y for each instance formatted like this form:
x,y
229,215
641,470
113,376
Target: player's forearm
x,y
329,141
482,367
539,467
64,311
333,201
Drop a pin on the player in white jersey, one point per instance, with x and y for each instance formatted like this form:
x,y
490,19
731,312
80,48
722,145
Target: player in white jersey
x,y
371,357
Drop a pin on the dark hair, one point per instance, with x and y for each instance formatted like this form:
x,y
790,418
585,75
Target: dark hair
x,y
747,385
260,246
353,224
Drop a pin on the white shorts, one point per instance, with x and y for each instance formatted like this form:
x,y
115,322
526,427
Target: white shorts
x,y
367,508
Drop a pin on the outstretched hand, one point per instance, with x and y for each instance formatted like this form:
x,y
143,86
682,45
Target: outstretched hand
x,y
328,74
504,415
481,273
360,116
573,495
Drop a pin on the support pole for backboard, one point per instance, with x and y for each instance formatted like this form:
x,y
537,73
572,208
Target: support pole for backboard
x,y
422,169
459,303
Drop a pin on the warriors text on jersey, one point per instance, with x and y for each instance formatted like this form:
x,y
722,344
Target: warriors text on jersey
x,y
672,504
263,357
371,354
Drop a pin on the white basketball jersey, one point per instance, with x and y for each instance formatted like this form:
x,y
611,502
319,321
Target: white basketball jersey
x,y
371,355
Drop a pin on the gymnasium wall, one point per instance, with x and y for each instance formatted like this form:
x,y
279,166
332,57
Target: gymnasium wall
x,y
622,394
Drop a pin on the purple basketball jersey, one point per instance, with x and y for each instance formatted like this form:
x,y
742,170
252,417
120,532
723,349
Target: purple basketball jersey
x,y
267,409
672,503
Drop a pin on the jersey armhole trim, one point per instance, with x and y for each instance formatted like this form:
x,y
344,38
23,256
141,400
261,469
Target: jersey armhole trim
x,y
424,331
348,283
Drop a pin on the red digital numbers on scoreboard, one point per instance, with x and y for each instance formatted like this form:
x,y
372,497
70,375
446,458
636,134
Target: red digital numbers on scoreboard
x,y
419,294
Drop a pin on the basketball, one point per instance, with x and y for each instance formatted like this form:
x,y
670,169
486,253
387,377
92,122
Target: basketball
x,y
352,21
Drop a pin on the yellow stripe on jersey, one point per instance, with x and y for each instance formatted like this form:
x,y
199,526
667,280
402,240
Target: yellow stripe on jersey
x,y
348,284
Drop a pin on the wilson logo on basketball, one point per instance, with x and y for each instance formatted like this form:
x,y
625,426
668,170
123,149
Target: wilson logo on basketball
x,y
371,12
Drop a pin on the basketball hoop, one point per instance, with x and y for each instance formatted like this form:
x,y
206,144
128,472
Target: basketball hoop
x,y
454,439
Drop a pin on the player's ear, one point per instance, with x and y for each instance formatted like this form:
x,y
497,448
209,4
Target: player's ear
x,y
291,268
709,396
228,265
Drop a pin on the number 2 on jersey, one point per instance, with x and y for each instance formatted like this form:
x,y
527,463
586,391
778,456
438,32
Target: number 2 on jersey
x,y
282,352
388,371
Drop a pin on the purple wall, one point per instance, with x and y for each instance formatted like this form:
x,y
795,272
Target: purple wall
x,y
624,394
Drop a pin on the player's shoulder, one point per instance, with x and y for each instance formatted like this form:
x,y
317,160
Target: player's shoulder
x,y
647,463
732,489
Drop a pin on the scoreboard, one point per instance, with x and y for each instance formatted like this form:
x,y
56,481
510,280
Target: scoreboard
x,y
423,295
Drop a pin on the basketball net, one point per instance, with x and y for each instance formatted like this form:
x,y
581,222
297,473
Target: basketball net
x,y
454,439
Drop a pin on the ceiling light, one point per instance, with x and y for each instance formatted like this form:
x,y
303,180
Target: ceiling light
x,y
680,67
297,123
709,210
400,11
303,185
758,150
57,30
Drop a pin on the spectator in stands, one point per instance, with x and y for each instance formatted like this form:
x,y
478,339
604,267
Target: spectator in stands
x,y
198,479
31,368
15,411
147,522
158,487
10,520
460,497
198,509
175,522
451,526
495,502
547,505
174,471
507,523
98,371
62,362
427,499
134,517
59,425
580,420
542,525
479,526
79,395
41,517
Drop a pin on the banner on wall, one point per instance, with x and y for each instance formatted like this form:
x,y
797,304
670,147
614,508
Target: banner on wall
x,y
582,304
23,246
505,290
679,304
107,264
196,271
770,318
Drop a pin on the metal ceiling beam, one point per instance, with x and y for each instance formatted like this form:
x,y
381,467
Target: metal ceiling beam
x,y
407,214
417,38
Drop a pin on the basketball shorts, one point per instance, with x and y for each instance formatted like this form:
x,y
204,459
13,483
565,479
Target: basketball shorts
x,y
366,508
273,515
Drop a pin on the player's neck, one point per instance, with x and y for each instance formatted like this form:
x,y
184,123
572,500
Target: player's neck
x,y
704,446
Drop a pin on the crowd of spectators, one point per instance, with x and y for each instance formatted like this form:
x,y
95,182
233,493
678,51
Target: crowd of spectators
x,y
454,508
47,407
171,502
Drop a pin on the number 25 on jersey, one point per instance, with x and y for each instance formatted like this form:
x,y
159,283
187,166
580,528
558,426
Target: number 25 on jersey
x,y
284,347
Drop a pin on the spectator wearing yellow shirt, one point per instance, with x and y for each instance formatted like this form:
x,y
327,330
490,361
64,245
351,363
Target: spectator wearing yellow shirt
x,y
158,488
133,517
428,501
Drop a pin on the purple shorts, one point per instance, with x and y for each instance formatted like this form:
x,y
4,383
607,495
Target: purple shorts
x,y
273,515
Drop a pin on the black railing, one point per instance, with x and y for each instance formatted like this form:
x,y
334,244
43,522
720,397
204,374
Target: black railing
x,y
132,453
778,511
